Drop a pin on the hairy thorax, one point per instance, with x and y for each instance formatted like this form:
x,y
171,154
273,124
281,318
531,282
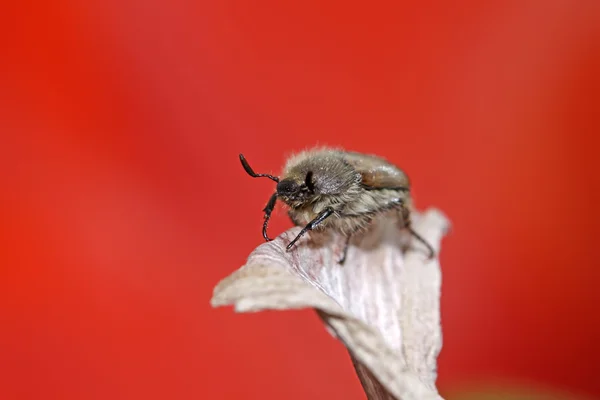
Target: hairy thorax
x,y
353,211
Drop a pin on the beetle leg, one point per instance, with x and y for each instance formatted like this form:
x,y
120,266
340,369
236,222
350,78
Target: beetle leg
x,y
268,210
311,225
405,214
345,251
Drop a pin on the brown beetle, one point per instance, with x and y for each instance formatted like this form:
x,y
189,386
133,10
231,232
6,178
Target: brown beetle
x,y
327,188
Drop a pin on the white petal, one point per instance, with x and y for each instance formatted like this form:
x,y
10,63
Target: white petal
x,y
382,303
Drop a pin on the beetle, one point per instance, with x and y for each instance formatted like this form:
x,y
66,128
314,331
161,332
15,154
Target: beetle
x,y
329,188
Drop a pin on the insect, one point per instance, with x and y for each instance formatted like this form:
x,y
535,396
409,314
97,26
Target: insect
x,y
328,188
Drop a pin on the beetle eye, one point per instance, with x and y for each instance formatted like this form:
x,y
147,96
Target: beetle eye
x,y
309,182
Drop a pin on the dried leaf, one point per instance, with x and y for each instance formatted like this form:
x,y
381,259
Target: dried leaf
x,y
382,303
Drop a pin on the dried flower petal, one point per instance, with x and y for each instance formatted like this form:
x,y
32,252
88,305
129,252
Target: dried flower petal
x,y
382,303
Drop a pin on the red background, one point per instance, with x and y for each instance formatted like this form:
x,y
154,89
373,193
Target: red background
x,y
124,202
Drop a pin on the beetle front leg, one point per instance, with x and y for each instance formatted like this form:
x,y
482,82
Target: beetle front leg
x,y
311,225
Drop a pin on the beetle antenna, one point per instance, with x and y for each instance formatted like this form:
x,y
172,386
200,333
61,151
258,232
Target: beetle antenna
x,y
309,182
254,174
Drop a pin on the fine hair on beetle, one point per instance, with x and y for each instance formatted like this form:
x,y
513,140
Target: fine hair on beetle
x,y
326,188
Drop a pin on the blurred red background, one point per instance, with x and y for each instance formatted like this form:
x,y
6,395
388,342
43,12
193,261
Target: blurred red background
x,y
124,202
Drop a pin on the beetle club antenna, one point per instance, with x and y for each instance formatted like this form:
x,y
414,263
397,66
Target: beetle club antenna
x,y
254,174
